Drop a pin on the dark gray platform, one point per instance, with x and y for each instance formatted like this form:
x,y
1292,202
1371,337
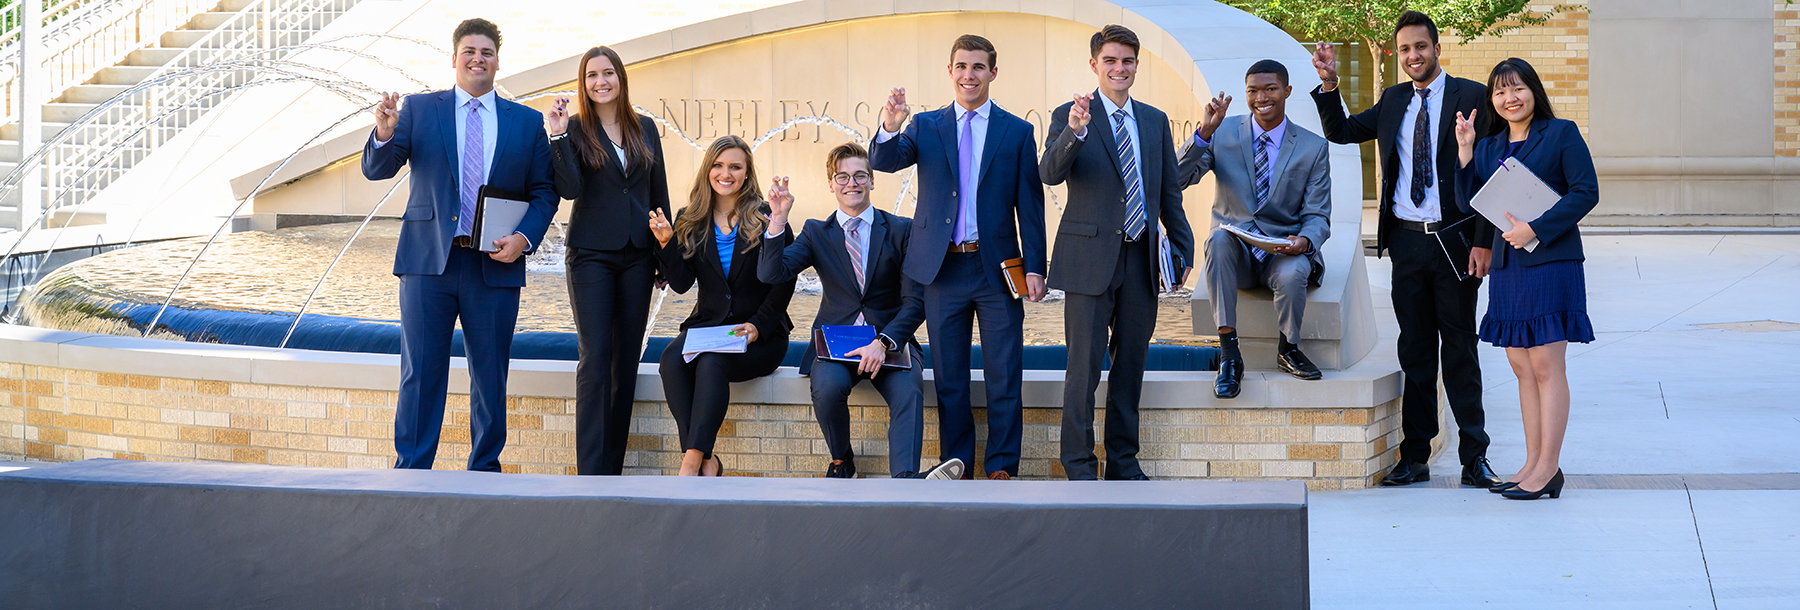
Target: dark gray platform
x,y
107,533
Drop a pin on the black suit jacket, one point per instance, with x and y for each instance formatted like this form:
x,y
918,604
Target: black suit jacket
x,y
1091,232
728,296
1382,122
611,203
1558,155
891,302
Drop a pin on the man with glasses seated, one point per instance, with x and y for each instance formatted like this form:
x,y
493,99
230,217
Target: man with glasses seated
x,y
857,252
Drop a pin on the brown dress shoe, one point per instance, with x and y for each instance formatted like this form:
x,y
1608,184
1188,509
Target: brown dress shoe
x,y
999,475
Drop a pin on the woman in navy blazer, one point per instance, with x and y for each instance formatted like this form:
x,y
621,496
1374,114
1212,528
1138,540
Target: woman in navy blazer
x,y
1537,300
609,161
716,243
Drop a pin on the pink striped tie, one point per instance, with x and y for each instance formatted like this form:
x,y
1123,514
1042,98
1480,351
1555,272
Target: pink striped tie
x,y
472,165
851,243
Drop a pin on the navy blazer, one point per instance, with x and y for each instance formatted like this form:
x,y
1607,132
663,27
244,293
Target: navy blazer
x,y
1007,188
1556,152
521,164
891,302
727,296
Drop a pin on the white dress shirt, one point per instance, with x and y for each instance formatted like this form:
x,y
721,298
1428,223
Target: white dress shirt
x,y
862,232
1131,127
1429,210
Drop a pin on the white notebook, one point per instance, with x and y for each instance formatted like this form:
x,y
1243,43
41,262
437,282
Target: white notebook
x,y
1513,189
497,215
717,339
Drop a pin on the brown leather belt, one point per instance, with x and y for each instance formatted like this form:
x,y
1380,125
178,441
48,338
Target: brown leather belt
x,y
965,247
462,241
1427,228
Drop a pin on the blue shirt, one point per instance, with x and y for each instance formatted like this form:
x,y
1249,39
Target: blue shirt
x,y
726,243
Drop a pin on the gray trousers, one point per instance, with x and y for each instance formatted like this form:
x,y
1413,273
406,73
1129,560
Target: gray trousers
x,y
905,395
1230,268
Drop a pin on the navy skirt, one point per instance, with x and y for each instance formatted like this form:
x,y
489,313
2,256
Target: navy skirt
x,y
1537,305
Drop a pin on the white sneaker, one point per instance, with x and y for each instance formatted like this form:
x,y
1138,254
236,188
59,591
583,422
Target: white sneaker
x,y
950,470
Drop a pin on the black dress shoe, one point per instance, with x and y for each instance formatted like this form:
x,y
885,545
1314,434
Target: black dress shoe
x,y
1407,472
846,470
1296,364
1553,489
1479,474
1139,478
1231,378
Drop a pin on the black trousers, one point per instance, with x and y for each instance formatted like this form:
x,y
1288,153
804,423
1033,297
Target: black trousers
x,y
1118,322
904,392
700,391
609,291
1436,312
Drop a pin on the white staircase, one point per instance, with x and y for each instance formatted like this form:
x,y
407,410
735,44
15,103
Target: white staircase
x,y
106,145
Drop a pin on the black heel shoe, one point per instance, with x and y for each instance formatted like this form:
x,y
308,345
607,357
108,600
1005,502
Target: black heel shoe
x,y
719,461
1503,487
1553,489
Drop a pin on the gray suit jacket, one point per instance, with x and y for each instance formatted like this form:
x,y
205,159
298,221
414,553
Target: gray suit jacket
x,y
1089,238
1300,196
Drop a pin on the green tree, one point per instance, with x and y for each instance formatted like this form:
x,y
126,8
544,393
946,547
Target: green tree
x,y
1371,22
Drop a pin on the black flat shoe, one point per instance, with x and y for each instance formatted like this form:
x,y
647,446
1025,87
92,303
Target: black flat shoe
x,y
1553,489
1296,364
1230,380
1480,474
1406,473
1503,487
846,470
715,460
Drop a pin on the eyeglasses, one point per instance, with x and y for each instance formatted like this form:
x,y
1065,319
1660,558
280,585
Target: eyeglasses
x,y
861,178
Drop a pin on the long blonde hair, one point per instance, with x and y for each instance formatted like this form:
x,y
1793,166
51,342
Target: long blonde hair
x,y
693,227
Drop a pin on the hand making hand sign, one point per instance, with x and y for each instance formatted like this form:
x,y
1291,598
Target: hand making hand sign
x,y
1215,114
781,201
894,112
556,121
1079,115
1324,59
1465,137
387,116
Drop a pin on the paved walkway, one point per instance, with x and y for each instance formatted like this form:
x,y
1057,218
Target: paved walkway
x,y
1685,437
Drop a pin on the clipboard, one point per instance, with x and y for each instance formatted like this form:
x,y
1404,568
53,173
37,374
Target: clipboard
x,y
1170,265
497,214
1513,189
833,342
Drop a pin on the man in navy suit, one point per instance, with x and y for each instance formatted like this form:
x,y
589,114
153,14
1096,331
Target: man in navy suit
x,y
980,203
858,252
457,141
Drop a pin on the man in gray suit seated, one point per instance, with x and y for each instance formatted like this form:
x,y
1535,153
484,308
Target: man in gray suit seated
x,y
1274,178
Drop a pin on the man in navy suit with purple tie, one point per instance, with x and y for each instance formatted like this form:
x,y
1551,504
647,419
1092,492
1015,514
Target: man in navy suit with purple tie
x,y
458,141
980,204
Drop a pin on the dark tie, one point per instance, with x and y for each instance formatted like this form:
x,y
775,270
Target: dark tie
x,y
1421,170
852,239
1134,186
1262,170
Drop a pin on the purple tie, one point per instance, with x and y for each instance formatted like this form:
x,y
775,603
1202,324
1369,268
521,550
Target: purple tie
x,y
472,162
965,152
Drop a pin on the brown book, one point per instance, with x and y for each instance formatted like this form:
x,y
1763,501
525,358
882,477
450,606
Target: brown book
x,y
1014,268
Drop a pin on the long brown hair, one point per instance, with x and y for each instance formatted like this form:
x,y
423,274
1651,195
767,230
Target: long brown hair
x,y
693,226
588,114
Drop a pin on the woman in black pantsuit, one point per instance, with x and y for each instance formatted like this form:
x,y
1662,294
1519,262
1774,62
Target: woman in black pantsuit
x,y
715,243
1537,298
608,160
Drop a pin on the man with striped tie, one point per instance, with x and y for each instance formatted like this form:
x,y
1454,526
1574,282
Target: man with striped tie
x,y
858,252
1123,196
1274,178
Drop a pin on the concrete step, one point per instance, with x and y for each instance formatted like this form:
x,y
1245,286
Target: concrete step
x,y
9,151
11,131
152,56
232,6
182,38
92,94
124,75
207,21
66,112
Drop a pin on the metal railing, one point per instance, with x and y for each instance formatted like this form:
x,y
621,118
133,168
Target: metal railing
x,y
86,36
104,144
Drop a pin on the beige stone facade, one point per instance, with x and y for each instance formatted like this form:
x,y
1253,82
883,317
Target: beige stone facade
x,y
1558,50
61,414
1787,78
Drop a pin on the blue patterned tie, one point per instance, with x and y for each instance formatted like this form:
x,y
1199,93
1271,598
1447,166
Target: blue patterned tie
x,y
472,164
1262,170
1134,186
1421,157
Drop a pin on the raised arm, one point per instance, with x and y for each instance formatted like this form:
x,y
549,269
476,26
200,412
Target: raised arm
x,y
1061,143
390,143
894,150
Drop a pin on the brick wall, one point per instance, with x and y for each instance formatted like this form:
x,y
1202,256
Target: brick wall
x,y
1787,79
1558,50
60,414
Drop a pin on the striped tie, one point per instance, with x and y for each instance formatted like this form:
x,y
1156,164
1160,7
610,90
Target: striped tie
x,y
472,166
852,237
1262,170
1134,186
